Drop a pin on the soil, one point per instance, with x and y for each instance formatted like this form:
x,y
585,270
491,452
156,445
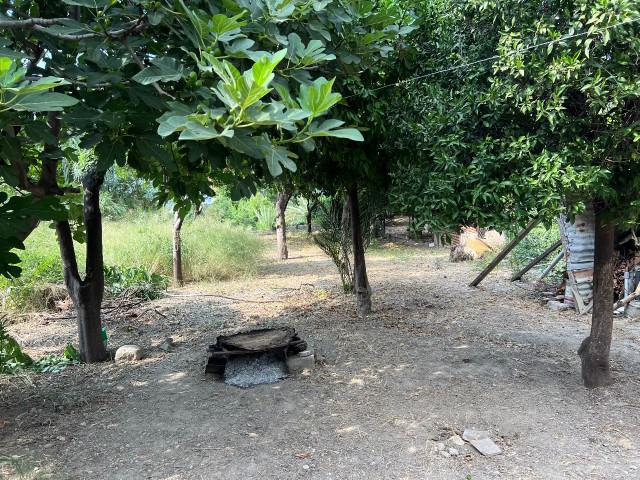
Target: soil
x,y
435,358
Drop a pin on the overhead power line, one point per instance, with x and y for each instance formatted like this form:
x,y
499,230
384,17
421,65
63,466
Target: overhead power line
x,y
496,57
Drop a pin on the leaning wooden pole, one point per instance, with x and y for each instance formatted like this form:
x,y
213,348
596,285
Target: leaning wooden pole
x,y
536,260
510,246
555,261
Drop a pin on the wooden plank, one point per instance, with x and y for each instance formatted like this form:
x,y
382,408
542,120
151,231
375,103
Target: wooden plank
x,y
505,251
581,306
537,260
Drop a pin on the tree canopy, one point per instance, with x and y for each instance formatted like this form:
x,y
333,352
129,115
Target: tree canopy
x,y
184,93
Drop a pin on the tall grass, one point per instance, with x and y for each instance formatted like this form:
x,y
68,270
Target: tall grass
x,y
211,251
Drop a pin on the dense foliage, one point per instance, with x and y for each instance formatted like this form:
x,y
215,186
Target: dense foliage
x,y
533,129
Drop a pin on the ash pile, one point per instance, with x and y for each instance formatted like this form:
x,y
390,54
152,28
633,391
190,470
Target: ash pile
x,y
259,356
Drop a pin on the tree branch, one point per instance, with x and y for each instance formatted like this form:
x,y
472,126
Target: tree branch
x,y
142,66
41,24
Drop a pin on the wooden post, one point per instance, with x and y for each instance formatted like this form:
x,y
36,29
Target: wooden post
x,y
551,265
510,246
536,261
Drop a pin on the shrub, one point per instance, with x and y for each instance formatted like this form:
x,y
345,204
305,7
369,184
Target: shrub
x,y
12,358
266,218
538,240
134,282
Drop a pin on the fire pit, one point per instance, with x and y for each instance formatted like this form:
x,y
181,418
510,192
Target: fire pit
x,y
258,356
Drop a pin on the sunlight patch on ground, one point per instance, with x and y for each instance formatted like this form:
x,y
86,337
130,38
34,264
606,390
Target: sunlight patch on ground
x,y
173,377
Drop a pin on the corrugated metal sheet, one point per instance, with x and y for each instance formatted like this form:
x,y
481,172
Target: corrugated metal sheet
x,y
579,242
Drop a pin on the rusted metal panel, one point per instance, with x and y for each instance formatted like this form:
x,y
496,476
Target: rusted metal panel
x,y
578,239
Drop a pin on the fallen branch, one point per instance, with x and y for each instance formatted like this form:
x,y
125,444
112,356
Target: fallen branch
x,y
627,299
222,296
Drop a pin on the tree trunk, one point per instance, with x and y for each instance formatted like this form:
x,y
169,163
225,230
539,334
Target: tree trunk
x,y
86,294
594,350
309,229
177,249
281,226
362,287
312,204
346,273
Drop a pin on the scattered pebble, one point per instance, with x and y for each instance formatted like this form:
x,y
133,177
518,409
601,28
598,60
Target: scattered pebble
x,y
454,452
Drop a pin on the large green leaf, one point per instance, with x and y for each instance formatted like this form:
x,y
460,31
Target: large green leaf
x,y
164,69
277,156
317,98
43,102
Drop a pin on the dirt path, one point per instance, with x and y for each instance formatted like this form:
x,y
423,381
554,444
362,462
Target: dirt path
x,y
436,357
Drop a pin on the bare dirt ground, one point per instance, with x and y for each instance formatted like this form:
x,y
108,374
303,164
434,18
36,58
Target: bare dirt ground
x,y
435,358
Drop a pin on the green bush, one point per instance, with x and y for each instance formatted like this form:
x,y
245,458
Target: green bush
x,y
40,285
266,218
134,282
537,241
12,358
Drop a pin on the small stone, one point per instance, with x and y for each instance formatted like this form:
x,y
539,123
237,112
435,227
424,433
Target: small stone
x,y
454,452
83,424
486,447
445,454
440,446
305,467
455,440
557,306
297,364
128,352
48,445
471,434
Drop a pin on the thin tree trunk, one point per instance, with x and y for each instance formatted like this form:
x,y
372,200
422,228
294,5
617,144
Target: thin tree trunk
x,y
312,204
362,287
177,249
346,272
595,349
86,294
281,225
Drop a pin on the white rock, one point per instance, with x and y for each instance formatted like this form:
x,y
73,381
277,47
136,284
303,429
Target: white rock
x,y
453,452
129,352
440,446
455,440
445,454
